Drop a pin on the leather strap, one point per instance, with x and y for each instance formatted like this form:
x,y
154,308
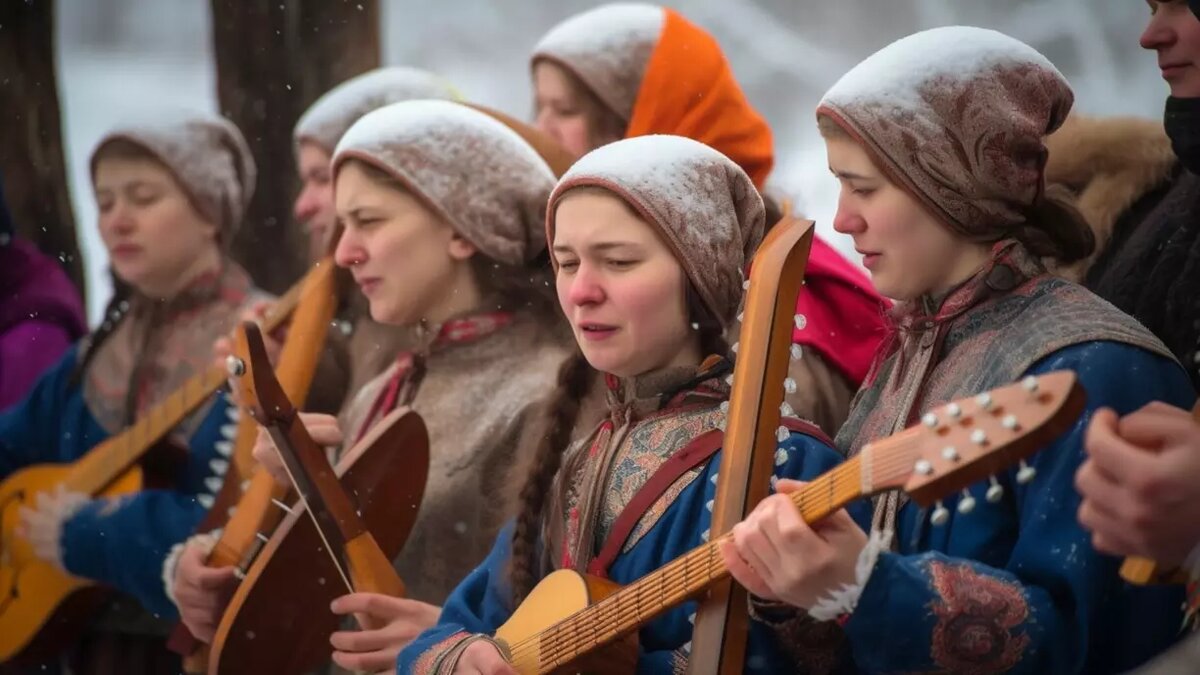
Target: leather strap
x,y
699,451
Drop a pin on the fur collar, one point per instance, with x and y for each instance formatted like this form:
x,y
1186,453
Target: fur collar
x,y
1108,164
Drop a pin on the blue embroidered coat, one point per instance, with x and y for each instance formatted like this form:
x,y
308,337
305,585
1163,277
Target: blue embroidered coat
x,y
642,433
1014,586
123,542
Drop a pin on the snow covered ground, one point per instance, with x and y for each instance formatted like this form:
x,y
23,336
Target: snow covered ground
x,y
117,56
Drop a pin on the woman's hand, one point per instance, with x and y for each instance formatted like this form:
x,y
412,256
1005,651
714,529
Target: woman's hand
x,y
323,429
223,346
42,526
389,624
201,592
777,556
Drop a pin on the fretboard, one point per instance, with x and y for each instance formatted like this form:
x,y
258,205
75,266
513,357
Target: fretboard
x,y
682,578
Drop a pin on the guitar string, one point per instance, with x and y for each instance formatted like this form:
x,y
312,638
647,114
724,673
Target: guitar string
x,y
609,612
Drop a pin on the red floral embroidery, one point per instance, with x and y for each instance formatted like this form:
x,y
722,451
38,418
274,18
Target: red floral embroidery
x,y
976,616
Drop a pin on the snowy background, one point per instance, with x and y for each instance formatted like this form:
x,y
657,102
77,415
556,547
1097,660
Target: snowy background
x,y
118,56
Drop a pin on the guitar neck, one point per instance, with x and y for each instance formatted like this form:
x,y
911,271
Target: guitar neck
x,y
108,460
683,578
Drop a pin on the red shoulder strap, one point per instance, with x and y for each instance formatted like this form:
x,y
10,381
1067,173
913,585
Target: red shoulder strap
x,y
692,455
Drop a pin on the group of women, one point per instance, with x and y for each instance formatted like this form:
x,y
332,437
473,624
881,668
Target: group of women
x,y
565,333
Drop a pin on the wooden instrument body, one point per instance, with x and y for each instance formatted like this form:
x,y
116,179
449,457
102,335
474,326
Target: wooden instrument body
x,y
748,457
112,467
245,505
50,606
555,598
278,620
954,445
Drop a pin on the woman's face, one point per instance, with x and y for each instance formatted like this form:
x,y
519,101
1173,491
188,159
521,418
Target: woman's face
x,y
562,111
314,206
620,287
908,252
409,263
157,241
1174,33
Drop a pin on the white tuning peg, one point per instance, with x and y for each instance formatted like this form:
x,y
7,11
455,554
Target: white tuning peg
x,y
984,401
235,366
954,410
967,503
979,437
930,420
923,467
940,514
1030,384
1009,422
801,322
995,492
1026,473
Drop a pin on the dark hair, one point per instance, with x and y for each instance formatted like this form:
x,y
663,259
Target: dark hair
x,y
1055,229
575,378
529,286
602,121
114,312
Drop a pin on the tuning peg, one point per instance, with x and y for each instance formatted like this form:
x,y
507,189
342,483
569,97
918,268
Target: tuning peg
x,y
930,420
235,366
940,514
782,434
733,347
967,503
950,453
801,322
789,385
954,410
996,492
984,400
1026,473
1030,384
979,437
724,407
923,467
1009,422
797,352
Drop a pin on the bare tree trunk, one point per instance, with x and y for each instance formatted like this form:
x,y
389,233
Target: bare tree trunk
x,y
274,58
31,145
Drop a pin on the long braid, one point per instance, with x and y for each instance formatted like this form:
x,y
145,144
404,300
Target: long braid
x,y
574,379
114,312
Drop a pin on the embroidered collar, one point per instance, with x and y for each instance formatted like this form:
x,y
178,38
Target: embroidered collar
x,y
1010,266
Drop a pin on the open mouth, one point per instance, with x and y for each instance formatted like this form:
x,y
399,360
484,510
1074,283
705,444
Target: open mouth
x,y
596,331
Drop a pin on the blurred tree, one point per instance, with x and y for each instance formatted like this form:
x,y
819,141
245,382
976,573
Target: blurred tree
x,y
274,58
31,138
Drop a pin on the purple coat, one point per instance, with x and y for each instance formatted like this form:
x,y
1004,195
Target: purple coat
x,y
41,315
